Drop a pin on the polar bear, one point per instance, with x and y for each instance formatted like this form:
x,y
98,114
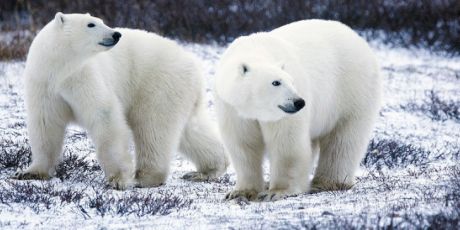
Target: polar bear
x,y
114,82
305,89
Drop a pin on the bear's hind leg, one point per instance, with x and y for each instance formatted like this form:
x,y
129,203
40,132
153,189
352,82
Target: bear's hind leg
x,y
156,137
341,153
111,137
200,143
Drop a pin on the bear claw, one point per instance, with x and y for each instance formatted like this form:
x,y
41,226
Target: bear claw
x,y
196,176
245,194
271,196
30,176
321,185
121,185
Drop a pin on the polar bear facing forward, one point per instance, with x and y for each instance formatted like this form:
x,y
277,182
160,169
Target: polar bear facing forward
x,y
305,88
111,81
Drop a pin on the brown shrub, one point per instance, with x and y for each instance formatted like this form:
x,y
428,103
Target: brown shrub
x,y
432,24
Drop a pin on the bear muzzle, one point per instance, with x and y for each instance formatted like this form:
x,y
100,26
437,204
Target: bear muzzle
x,y
109,42
296,105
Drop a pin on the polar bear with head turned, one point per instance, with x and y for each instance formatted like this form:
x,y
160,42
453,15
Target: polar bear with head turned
x,y
303,93
113,82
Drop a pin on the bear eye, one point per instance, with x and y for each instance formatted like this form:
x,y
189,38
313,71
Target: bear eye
x,y
90,25
245,68
276,83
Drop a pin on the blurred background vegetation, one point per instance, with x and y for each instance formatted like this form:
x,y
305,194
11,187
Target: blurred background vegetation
x,y
431,24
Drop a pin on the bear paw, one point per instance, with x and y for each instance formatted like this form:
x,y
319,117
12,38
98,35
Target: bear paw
x,y
202,176
272,195
30,176
242,194
148,179
322,185
120,183
197,176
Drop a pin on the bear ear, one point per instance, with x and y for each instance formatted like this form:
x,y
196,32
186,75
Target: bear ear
x,y
283,66
244,69
59,18
88,14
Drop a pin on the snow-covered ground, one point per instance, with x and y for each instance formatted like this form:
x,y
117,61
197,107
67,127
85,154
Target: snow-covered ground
x,y
410,177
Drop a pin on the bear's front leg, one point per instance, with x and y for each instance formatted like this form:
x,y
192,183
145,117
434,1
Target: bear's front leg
x,y
100,112
290,157
45,137
47,117
244,143
247,161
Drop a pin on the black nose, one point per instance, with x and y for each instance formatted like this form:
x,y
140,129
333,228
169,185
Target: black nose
x,y
299,103
116,36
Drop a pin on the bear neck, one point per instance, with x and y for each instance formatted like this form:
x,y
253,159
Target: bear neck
x,y
51,57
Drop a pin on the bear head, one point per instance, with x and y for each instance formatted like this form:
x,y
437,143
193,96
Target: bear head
x,y
260,91
85,34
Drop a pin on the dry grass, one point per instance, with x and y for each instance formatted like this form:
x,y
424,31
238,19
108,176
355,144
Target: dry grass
x,y
432,24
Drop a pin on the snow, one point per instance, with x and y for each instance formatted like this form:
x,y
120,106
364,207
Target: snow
x,y
408,187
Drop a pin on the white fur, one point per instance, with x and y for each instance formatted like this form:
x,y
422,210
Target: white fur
x,y
333,70
145,83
